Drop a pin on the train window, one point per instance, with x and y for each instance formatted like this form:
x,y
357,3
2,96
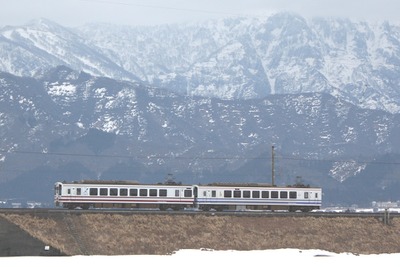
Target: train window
x,y
78,191
305,194
177,193
293,194
123,192
237,193
227,193
274,194
93,192
162,193
59,190
188,193
316,195
153,192
103,191
265,194
213,193
133,192
143,192
283,194
204,193
113,191
246,194
69,191
255,194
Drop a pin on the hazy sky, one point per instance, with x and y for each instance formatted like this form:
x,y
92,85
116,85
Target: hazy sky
x,y
150,12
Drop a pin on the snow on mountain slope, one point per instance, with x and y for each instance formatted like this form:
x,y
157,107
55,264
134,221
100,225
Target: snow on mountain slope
x,y
234,58
36,47
68,117
283,53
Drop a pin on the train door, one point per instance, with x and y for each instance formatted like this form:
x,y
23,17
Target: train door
x,y
57,194
178,194
207,195
195,195
85,191
58,189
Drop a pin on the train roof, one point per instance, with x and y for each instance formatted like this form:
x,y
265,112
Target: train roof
x,y
240,184
133,182
112,182
117,182
257,185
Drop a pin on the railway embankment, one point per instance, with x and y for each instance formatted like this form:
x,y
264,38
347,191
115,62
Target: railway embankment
x,y
128,234
14,241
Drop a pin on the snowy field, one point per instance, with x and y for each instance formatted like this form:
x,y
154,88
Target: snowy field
x,y
279,257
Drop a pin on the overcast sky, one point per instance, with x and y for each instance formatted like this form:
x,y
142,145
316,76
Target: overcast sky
x,y
151,12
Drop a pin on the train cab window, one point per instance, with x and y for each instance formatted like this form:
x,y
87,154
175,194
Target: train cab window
x,y
187,193
153,192
103,191
133,192
113,191
59,190
283,194
162,193
123,192
265,194
255,194
246,194
274,194
227,193
78,191
237,194
213,193
93,191
143,192
305,194
293,194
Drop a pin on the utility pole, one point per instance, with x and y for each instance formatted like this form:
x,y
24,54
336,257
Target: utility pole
x,y
273,167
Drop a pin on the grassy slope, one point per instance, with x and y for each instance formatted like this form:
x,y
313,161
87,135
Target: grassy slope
x,y
105,234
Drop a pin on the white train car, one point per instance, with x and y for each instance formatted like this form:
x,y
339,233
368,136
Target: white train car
x,y
117,194
122,195
243,197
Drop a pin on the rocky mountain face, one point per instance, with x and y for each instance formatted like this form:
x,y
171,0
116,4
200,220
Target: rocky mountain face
x,y
70,125
237,58
203,102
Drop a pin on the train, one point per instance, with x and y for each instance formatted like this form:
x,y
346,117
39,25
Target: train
x,y
210,197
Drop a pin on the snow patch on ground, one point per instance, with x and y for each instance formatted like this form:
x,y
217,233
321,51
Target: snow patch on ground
x,y
209,257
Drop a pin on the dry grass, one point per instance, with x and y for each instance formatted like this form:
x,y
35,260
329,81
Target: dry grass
x,y
107,234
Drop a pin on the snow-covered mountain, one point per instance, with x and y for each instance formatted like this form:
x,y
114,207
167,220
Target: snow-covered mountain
x,y
70,125
205,102
41,45
237,58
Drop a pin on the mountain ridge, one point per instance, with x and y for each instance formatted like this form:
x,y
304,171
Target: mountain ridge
x,y
233,58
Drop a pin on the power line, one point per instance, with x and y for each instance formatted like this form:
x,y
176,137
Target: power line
x,y
124,156
197,157
343,161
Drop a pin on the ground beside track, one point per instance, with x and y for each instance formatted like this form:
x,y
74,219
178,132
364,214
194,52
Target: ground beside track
x,y
126,234
16,242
